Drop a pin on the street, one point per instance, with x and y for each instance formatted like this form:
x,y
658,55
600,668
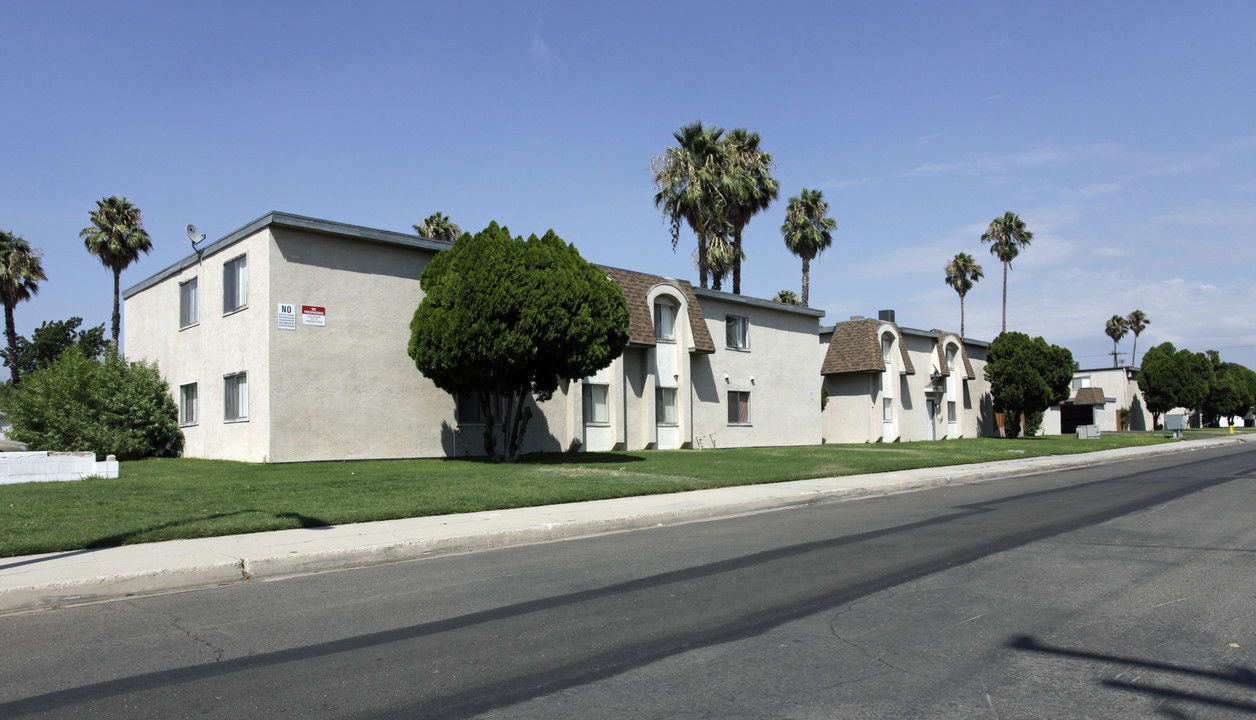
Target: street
x,y
1125,590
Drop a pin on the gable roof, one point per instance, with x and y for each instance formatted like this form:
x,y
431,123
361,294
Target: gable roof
x,y
968,366
1090,396
855,348
636,289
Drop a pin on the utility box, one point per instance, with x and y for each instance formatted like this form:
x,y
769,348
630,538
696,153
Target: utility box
x,y
1175,423
1087,432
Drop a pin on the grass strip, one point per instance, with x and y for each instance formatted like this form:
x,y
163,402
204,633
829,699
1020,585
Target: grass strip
x,y
168,499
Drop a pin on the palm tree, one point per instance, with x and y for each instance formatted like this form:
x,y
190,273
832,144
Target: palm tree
x,y
808,231
721,256
787,297
1137,322
692,179
21,271
753,191
1116,329
438,226
116,237
1007,235
961,272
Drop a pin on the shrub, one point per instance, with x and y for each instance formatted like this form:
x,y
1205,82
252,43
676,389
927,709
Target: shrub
x,y
109,407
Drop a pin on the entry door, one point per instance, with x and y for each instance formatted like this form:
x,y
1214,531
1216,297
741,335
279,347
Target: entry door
x,y
931,410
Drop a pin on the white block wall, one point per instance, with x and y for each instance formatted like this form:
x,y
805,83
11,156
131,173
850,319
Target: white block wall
x,y
43,466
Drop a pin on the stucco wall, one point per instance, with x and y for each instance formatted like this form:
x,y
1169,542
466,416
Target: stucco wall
x,y
217,345
778,370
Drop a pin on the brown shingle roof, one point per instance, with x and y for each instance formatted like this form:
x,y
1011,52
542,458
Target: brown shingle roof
x,y
1090,396
636,288
968,366
854,348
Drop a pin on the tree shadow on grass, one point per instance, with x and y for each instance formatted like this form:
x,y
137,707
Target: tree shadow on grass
x,y
555,458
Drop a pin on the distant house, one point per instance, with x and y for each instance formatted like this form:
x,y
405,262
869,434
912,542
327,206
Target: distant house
x,y
888,383
1100,397
286,341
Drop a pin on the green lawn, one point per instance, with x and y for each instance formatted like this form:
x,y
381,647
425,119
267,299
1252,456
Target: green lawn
x,y
168,499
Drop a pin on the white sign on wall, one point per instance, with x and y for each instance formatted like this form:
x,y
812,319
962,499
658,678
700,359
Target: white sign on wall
x,y
286,316
313,315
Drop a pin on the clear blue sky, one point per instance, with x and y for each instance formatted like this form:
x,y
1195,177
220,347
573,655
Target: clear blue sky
x,y
1123,133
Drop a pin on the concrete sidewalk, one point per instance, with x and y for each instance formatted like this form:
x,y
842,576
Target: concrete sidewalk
x,y
56,579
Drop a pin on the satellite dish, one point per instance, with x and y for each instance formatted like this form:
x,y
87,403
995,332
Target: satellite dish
x,y
195,236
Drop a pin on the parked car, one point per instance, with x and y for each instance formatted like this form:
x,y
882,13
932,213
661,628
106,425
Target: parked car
x,y
13,446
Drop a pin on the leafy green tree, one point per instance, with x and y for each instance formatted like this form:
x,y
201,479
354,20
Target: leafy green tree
x,y
1170,378
438,226
21,271
752,190
110,407
1007,235
788,297
51,339
808,231
693,180
961,273
1116,327
1026,376
510,318
1232,392
1137,322
116,237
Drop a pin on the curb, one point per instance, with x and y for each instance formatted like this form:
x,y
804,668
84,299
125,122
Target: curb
x,y
86,576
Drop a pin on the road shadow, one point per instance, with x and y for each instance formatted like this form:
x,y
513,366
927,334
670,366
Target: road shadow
x,y
1242,679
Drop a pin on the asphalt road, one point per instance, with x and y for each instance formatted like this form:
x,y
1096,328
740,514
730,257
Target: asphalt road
x,y
1119,591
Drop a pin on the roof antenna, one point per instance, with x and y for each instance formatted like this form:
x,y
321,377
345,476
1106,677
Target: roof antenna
x,y
195,236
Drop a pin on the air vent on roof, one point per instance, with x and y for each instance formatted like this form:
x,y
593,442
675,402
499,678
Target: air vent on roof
x,y
886,316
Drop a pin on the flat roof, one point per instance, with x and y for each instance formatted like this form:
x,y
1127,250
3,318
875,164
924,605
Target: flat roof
x,y
299,222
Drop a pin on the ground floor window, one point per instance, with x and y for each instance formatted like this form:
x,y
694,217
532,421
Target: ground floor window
x,y
738,407
665,406
950,411
187,404
596,407
235,401
887,409
468,410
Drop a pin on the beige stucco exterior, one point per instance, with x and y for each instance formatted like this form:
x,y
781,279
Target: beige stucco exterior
x,y
912,380
347,389
1118,388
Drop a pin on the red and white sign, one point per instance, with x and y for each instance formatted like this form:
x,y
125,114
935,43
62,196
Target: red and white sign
x,y
313,315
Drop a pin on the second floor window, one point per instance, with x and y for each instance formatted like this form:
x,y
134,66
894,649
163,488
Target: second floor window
x,y
235,284
187,303
664,319
737,330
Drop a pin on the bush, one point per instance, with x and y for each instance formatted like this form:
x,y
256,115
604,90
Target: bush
x,y
109,407
1033,423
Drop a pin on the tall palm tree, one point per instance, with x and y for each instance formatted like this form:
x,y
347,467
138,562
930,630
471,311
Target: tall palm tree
x,y
1137,322
21,271
116,237
438,226
961,272
808,231
721,256
754,188
692,179
1116,328
1007,235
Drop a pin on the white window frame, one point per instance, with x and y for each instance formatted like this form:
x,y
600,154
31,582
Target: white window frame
x,y
1082,381
951,415
952,353
665,406
235,284
188,296
737,332
738,399
189,410
235,397
887,409
665,313
595,412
